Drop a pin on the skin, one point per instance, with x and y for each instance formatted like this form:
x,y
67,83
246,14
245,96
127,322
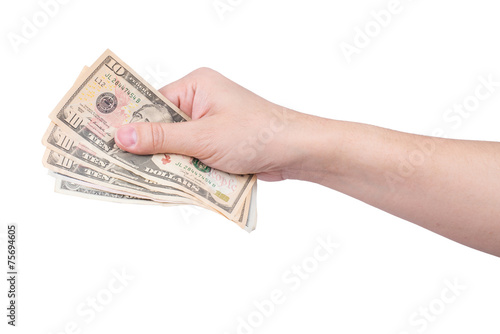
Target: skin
x,y
451,187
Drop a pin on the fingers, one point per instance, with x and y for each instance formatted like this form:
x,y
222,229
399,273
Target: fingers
x,y
180,93
183,91
150,138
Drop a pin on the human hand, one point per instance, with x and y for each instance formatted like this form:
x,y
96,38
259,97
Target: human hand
x,y
232,129
236,131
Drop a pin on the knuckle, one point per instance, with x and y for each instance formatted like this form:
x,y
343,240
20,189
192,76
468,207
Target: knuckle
x,y
158,140
204,72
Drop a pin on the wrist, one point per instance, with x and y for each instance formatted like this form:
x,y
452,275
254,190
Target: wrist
x,y
314,144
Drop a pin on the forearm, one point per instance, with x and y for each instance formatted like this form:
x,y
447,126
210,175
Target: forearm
x,y
451,187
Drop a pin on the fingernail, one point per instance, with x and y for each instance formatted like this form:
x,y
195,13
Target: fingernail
x,y
126,136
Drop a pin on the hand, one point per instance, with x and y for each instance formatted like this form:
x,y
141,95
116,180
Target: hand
x,y
232,129
447,186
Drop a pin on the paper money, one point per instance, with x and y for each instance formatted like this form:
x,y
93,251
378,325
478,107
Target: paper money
x,y
63,165
111,94
59,142
107,187
75,187
82,152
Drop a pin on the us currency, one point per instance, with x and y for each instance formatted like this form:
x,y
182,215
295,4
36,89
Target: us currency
x,y
251,220
60,164
87,191
107,187
56,140
66,147
112,94
75,187
59,176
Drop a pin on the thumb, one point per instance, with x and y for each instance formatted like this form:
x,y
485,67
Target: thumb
x,y
150,138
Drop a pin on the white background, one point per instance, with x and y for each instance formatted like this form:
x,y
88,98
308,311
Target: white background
x,y
195,272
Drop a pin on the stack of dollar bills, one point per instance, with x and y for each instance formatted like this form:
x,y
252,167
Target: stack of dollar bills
x,y
83,157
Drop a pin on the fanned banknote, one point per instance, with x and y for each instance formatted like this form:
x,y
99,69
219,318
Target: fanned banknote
x,y
80,145
75,187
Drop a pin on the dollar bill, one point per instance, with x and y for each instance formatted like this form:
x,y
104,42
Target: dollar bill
x,y
63,165
70,186
56,140
251,221
119,190
87,191
110,94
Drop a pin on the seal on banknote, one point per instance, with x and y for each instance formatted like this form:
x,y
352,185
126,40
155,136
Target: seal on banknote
x,y
106,102
201,166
